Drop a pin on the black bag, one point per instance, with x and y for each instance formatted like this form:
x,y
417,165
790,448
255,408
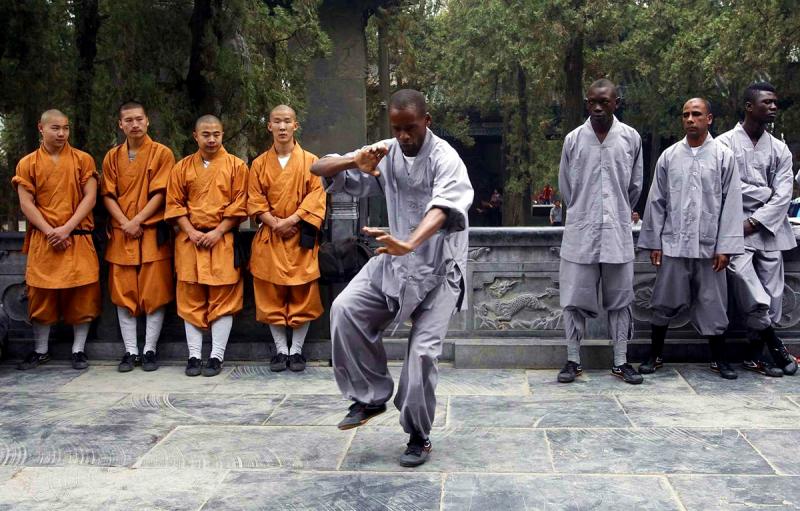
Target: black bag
x,y
308,235
241,249
341,260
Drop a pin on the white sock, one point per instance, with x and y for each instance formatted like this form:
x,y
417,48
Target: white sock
x,y
81,332
220,331
279,335
41,336
154,322
298,338
127,326
194,340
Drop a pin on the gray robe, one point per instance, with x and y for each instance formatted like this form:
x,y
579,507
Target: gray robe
x,y
599,184
694,208
424,285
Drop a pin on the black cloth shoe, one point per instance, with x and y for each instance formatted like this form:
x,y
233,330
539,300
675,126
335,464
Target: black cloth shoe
x,y
360,414
279,363
32,360
149,362
651,365
213,367
724,369
80,360
417,452
193,367
127,362
781,356
761,367
297,362
627,373
569,372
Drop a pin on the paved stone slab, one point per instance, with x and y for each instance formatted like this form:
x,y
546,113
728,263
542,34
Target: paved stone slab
x,y
315,410
54,407
482,492
454,450
706,382
530,412
46,378
107,489
185,409
725,411
737,493
221,447
75,444
7,473
167,379
778,446
267,490
600,382
480,382
260,380
654,451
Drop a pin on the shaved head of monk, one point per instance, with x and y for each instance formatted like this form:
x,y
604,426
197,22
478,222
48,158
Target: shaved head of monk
x,y
282,124
409,119
133,120
54,128
208,135
697,118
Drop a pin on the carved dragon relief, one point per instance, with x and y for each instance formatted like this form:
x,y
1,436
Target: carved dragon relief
x,y
499,314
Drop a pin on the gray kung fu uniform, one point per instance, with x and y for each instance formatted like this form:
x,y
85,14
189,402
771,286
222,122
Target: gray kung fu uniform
x,y
756,277
599,184
424,286
694,211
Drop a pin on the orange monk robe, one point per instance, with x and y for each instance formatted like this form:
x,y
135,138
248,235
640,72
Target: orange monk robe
x,y
209,286
140,271
62,284
285,274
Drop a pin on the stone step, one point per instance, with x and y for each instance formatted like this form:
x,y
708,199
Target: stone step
x,y
466,353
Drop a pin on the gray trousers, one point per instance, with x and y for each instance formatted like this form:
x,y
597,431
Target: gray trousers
x,y
684,283
580,286
358,318
756,283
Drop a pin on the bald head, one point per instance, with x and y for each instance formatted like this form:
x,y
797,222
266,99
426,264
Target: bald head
x,y
51,115
283,111
407,99
207,119
696,120
603,83
700,103
282,125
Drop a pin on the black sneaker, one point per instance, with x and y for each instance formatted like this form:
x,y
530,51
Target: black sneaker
x,y
149,362
127,362
569,372
761,367
724,369
213,367
627,373
783,359
193,367
360,414
80,360
297,362
652,364
32,360
279,363
416,453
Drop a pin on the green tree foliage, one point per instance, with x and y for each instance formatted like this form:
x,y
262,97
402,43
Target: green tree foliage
x,y
182,58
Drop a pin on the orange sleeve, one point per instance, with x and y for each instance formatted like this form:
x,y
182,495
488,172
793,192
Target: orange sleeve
x,y
257,202
159,173
108,181
176,193
88,168
23,176
237,208
312,208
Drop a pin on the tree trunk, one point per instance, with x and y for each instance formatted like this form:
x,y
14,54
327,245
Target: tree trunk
x,y
87,24
201,57
573,73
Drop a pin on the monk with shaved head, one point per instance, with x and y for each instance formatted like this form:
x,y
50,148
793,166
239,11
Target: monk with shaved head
x,y
139,251
206,200
289,202
57,188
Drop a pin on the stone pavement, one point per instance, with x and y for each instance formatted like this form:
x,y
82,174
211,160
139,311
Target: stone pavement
x,y
503,439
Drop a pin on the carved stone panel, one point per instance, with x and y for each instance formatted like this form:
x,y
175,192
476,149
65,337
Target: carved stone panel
x,y
526,302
